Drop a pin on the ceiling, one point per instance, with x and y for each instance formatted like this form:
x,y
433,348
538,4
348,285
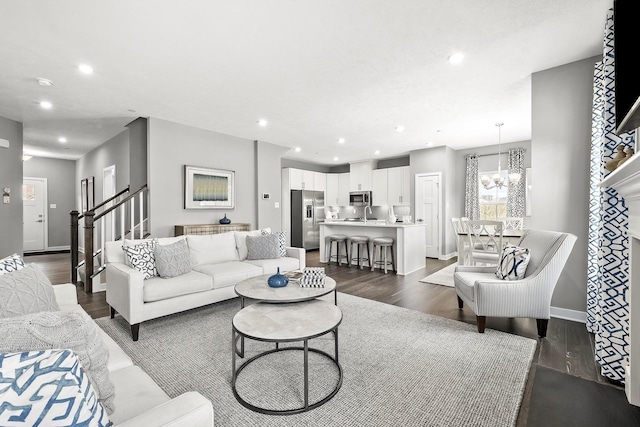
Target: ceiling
x,y
316,70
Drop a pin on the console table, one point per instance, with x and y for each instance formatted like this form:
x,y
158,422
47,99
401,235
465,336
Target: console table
x,y
180,230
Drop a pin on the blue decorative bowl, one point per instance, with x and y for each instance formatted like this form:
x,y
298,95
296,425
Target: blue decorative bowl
x,y
278,280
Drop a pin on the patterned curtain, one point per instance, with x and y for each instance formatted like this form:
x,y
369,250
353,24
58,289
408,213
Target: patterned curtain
x,y
471,194
515,196
608,247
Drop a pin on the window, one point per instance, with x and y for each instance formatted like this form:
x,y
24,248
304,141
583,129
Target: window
x,y
493,202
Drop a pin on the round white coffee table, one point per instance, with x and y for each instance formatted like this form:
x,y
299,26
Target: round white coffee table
x,y
287,322
256,288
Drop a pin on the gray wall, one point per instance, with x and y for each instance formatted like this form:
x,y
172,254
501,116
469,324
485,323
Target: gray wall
x,y
296,164
61,178
393,163
171,146
561,135
268,180
11,236
137,154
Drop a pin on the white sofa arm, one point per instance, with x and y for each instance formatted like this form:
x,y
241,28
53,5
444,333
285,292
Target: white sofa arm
x,y
300,254
65,294
125,291
189,409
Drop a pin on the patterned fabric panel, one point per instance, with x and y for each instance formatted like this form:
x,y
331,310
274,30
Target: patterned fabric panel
x,y
262,247
142,258
26,291
472,191
47,388
513,263
282,240
11,263
515,196
172,260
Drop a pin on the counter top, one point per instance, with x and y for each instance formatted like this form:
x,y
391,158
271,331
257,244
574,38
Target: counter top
x,y
371,223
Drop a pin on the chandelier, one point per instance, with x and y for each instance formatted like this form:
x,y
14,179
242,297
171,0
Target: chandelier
x,y
497,180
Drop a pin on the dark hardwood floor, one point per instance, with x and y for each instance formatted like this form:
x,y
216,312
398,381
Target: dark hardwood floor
x,y
568,347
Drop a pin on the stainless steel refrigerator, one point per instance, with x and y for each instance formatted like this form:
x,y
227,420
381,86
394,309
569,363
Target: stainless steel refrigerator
x,y
307,211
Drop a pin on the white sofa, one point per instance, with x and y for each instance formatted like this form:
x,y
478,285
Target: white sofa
x,y
139,401
218,262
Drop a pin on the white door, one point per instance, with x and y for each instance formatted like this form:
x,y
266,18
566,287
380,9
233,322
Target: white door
x,y
34,199
428,210
109,190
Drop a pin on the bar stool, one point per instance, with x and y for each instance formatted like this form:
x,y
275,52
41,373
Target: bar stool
x,y
338,238
383,244
359,241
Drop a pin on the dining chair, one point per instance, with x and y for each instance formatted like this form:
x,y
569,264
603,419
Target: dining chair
x,y
485,241
512,222
461,243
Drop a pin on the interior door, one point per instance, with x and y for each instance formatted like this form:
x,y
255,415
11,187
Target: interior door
x,y
34,199
428,210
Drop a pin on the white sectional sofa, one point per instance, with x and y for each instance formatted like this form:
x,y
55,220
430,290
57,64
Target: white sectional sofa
x,y
139,401
218,262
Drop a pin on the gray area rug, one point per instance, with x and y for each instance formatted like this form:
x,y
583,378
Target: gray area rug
x,y
442,277
401,368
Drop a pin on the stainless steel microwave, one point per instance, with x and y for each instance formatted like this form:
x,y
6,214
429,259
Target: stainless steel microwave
x,y
360,198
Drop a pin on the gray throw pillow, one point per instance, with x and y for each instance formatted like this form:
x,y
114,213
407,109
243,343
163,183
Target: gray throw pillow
x,y
172,260
263,247
63,330
26,291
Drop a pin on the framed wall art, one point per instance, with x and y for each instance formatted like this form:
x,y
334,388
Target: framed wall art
x,y
206,188
90,193
83,196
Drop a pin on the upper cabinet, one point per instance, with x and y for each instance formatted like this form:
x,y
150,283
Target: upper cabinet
x,y
360,176
398,186
379,187
344,182
337,193
306,180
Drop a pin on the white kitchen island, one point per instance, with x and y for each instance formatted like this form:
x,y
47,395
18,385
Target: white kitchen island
x,y
409,247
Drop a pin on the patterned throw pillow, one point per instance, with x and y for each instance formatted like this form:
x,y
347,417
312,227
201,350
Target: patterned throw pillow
x,y
172,260
142,258
513,263
262,247
26,291
11,263
282,240
47,388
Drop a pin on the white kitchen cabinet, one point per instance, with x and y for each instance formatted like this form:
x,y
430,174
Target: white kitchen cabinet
x,y
344,182
360,176
319,181
300,179
379,187
332,195
398,186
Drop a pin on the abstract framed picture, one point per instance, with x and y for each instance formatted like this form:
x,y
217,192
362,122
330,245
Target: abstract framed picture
x,y
206,188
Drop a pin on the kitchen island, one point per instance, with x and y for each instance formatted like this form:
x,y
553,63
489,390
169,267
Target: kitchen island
x,y
409,246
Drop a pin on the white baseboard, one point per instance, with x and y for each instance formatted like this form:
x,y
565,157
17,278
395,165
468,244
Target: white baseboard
x,y
567,314
99,287
58,248
448,256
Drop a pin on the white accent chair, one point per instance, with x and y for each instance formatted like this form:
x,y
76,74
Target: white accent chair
x,y
486,295
485,241
461,244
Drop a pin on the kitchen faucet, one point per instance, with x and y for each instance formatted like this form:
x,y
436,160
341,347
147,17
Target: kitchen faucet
x,y
365,212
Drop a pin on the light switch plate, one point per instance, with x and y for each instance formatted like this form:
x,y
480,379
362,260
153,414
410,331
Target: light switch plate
x,y
5,199
277,204
52,206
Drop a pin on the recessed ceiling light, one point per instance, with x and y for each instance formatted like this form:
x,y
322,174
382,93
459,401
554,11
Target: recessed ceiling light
x,y
262,122
456,58
297,149
376,152
341,140
44,82
131,110
46,105
62,139
399,128
85,69
335,159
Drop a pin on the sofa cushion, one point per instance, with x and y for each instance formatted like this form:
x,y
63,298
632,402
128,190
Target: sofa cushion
x,y
212,248
157,288
26,291
57,329
47,387
142,257
270,266
262,247
172,260
136,393
11,263
229,273
241,242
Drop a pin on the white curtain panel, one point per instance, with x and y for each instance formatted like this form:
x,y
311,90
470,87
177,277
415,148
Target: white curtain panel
x,y
471,194
515,196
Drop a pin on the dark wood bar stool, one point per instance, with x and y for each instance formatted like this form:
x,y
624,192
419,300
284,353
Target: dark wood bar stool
x,y
338,238
359,241
384,245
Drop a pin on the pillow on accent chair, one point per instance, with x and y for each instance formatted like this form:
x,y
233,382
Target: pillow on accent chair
x,y
60,329
142,258
11,263
263,247
172,260
47,388
282,240
513,263
26,291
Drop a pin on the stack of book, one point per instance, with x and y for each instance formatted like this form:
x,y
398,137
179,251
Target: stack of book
x,y
294,276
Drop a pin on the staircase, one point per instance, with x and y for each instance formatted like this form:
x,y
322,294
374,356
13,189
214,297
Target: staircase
x,y
120,217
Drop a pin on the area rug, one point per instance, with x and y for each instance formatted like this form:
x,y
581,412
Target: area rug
x,y
442,277
401,367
